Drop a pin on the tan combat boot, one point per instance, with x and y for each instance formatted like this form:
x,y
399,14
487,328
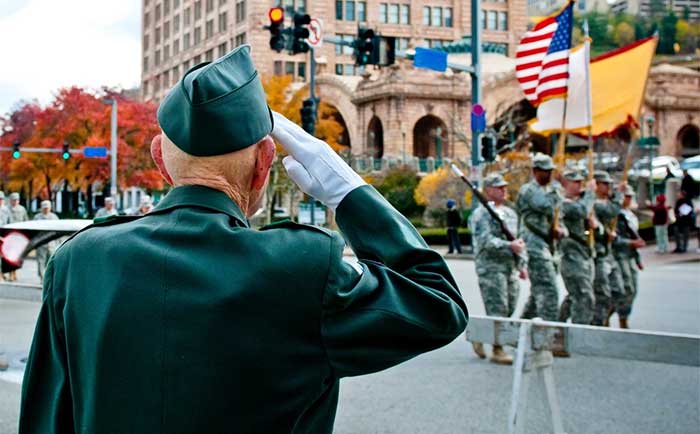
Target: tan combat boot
x,y
479,349
501,357
3,362
623,323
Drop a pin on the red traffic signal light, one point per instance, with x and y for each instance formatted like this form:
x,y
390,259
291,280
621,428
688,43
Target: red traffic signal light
x,y
276,15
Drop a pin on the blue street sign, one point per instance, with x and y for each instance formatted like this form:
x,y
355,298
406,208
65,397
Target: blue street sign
x,y
100,152
478,118
430,59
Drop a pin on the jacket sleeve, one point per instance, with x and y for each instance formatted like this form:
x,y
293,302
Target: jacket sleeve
x,y
46,406
400,302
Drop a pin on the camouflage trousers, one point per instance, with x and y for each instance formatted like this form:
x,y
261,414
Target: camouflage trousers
x,y
607,282
499,290
42,259
578,273
544,296
622,302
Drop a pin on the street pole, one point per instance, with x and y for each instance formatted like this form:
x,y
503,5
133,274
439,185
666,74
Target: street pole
x,y
113,149
312,95
476,74
438,145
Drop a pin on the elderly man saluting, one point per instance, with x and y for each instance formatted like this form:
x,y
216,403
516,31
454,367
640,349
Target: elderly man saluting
x,y
204,325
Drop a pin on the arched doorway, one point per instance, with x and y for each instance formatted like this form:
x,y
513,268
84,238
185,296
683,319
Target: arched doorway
x,y
430,138
343,135
375,138
689,140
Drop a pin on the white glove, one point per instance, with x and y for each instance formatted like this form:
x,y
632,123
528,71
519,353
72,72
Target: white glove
x,y
313,165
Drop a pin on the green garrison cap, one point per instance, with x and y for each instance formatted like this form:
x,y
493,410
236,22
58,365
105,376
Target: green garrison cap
x,y
217,107
495,180
542,162
573,175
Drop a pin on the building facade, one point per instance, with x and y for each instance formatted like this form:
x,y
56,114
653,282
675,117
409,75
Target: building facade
x,y
178,34
647,8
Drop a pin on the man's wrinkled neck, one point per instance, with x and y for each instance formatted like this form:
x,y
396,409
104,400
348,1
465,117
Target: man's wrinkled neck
x,y
216,183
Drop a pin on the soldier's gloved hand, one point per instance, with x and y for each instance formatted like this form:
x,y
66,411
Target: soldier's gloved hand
x,y
313,165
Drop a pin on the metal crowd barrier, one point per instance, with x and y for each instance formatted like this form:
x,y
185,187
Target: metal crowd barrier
x,y
536,339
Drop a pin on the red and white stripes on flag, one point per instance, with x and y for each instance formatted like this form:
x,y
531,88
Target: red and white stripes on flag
x,y
542,58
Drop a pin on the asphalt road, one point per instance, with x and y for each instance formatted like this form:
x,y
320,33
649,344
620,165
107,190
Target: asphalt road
x,y
451,391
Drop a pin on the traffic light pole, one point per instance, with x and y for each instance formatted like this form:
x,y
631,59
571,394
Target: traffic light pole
x,y
312,96
476,78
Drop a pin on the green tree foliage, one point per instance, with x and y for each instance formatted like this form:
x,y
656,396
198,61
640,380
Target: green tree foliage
x,y
397,186
667,33
623,34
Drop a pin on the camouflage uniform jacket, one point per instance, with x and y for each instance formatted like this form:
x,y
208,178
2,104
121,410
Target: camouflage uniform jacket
x,y
536,205
621,245
491,248
4,215
575,214
18,214
605,211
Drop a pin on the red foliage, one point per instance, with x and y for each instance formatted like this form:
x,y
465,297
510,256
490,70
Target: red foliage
x,y
83,120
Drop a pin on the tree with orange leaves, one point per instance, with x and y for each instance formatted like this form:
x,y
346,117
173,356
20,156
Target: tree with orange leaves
x,y
80,119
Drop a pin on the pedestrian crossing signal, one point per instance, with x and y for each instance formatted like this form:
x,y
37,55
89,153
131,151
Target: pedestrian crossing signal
x,y
15,150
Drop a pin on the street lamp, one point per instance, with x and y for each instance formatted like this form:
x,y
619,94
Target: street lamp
x,y
649,119
113,147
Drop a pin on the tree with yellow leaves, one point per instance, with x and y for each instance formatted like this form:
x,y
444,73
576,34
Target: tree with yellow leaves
x,y
434,190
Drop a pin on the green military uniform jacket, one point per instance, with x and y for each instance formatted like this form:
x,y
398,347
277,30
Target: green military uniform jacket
x,y
188,321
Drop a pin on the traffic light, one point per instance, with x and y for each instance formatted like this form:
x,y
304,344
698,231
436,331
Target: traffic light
x,y
276,28
365,47
15,150
300,33
488,149
308,116
66,152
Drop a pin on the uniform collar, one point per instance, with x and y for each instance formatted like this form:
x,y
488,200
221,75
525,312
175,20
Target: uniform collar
x,y
202,197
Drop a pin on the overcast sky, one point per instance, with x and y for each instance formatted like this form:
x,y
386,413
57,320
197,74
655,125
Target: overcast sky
x,y
49,44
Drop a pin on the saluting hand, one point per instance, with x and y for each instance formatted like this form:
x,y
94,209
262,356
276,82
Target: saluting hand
x,y
316,168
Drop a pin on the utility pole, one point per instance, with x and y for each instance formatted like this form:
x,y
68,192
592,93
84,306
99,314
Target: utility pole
x,y
113,149
476,74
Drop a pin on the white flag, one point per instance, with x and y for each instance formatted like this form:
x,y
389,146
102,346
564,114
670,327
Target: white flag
x,y
578,102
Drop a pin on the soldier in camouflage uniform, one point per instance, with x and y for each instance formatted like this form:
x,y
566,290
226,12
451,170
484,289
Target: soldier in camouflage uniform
x,y
627,257
607,277
536,204
577,268
495,257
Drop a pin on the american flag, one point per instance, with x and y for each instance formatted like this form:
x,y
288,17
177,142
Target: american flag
x,y
542,58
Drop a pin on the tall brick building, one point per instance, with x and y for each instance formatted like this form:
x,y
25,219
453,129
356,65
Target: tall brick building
x,y
178,34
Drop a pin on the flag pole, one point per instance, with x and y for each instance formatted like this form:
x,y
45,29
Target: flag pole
x,y
589,115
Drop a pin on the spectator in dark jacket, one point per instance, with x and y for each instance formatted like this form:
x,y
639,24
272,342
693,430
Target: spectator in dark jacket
x,y
660,221
689,186
684,221
454,221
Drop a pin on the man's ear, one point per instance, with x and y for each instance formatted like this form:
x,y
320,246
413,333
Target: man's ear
x,y
157,155
264,156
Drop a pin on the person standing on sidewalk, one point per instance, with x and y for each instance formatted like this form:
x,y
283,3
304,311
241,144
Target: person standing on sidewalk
x,y
44,252
454,221
684,221
496,266
660,222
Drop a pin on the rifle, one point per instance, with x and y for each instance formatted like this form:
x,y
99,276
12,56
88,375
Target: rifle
x,y
635,236
482,199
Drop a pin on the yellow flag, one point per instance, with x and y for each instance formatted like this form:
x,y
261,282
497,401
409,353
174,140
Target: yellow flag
x,y
618,82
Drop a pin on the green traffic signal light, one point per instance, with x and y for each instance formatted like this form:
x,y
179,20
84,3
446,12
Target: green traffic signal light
x,y
66,152
65,155
16,154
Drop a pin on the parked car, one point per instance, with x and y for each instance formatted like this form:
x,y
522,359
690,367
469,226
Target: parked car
x,y
692,165
608,161
640,168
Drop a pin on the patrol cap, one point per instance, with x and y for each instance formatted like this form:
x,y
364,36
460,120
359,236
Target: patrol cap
x,y
146,200
602,176
495,180
217,107
542,162
629,191
14,196
573,175
45,204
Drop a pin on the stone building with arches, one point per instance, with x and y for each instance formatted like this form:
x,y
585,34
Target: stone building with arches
x,y
408,114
